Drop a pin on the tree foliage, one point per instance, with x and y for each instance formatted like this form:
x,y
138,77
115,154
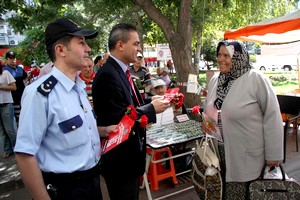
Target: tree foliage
x,y
189,26
233,14
31,20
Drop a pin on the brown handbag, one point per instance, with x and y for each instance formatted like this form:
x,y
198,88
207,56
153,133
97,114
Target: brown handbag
x,y
269,189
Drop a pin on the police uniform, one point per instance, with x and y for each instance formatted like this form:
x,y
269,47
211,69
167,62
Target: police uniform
x,y
58,127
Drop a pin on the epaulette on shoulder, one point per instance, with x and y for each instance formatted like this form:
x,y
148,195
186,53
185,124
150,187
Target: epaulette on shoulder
x,y
46,87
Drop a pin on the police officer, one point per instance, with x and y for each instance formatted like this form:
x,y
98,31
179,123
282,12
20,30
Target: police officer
x,y
58,144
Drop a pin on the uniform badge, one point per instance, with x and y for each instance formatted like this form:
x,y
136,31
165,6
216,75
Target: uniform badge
x,y
46,87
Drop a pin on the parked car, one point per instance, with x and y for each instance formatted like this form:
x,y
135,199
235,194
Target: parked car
x,y
266,67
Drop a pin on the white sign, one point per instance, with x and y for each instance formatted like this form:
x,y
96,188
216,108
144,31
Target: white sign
x,y
163,52
192,85
182,118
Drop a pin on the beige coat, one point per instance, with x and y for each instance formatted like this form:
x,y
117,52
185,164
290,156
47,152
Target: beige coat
x,y
252,125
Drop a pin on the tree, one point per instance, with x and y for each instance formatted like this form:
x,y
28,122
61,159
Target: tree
x,y
179,37
185,24
31,20
214,17
31,49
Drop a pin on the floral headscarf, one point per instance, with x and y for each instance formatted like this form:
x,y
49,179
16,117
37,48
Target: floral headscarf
x,y
240,65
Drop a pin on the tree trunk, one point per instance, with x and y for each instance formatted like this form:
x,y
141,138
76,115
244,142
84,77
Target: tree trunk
x,y
183,64
180,42
139,28
198,50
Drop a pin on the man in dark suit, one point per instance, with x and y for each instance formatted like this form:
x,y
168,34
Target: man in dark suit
x,y
112,92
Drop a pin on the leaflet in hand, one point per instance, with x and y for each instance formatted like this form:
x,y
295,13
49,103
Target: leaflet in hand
x,y
214,131
171,93
121,135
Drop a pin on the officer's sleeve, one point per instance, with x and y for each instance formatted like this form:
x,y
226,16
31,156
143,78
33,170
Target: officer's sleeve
x,y
32,122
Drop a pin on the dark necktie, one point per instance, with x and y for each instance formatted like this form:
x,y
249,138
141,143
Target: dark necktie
x,y
128,75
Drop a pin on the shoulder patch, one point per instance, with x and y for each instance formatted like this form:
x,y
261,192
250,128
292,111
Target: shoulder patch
x,y
46,87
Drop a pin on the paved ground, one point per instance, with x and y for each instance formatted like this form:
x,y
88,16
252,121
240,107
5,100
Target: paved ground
x,y
12,188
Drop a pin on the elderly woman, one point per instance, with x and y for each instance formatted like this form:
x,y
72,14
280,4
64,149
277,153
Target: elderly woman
x,y
245,106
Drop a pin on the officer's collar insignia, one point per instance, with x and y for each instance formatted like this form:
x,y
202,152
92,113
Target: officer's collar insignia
x,y
46,87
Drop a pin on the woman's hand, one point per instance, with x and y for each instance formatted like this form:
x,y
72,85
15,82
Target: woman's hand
x,y
271,163
204,126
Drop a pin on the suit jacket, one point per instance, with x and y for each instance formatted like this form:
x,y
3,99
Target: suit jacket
x,y
111,95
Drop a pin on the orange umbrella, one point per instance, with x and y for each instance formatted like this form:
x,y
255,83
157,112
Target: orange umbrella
x,y
278,30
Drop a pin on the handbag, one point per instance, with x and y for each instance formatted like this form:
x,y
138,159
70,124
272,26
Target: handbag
x,y
282,189
206,175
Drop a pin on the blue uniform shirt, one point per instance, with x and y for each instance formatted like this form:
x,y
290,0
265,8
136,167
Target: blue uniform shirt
x,y
16,72
59,129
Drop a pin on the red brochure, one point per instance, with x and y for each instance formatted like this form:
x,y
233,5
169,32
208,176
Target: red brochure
x,y
171,93
116,138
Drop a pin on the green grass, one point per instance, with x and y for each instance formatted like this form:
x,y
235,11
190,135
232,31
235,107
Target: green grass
x,y
283,82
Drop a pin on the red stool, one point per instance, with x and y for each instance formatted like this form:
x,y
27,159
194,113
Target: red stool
x,y
156,171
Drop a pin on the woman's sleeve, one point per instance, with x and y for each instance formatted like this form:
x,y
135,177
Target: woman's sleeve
x,y
272,120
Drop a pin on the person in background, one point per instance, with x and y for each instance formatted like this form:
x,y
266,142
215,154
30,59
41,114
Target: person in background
x,y
58,144
97,63
160,87
7,120
167,116
113,91
158,73
20,76
165,76
87,74
244,104
105,57
100,61
139,72
170,66
46,69
35,71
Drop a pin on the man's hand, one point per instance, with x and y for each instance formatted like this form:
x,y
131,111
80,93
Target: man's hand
x,y
156,97
32,176
160,105
104,131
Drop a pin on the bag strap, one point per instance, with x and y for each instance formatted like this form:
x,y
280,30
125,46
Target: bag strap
x,y
212,145
264,168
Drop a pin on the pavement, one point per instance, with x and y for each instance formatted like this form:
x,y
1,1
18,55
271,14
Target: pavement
x,y
12,187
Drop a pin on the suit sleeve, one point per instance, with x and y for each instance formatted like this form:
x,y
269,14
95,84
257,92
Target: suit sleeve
x,y
110,101
149,111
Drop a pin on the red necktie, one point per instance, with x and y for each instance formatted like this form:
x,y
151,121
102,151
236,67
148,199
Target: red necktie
x,y
128,75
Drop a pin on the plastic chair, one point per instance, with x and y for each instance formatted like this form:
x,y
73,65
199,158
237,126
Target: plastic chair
x,y
290,106
156,171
